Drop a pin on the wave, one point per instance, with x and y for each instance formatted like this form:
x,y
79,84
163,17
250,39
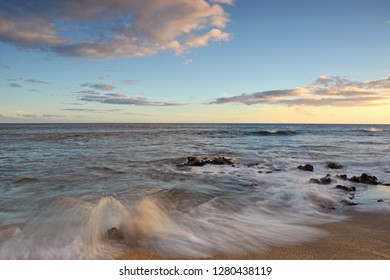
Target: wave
x,y
371,129
274,132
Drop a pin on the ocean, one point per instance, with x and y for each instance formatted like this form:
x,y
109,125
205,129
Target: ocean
x,y
94,191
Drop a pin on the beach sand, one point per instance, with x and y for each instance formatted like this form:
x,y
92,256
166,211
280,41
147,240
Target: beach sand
x,y
364,236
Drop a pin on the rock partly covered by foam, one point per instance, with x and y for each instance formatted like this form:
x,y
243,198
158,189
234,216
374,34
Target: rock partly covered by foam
x,y
197,161
346,188
365,179
323,181
306,167
334,165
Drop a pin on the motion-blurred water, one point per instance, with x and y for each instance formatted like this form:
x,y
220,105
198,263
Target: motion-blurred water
x,y
63,187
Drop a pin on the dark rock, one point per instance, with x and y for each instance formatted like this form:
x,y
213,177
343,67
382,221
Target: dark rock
x,y
380,200
365,179
323,181
334,165
342,176
114,234
349,202
306,167
345,188
197,161
221,161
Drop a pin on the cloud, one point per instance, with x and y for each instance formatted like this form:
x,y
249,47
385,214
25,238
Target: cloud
x,y
130,82
32,31
44,116
187,61
112,28
4,66
324,91
89,92
14,85
80,110
104,87
32,81
35,81
122,99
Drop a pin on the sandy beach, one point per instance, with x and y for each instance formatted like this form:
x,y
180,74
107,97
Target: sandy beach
x,y
364,236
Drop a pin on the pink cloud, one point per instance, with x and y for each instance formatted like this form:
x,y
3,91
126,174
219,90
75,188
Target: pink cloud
x,y
126,28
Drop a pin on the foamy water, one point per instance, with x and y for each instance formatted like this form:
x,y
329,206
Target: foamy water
x,y
94,191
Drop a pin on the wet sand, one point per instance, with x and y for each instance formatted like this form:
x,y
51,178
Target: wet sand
x,y
364,236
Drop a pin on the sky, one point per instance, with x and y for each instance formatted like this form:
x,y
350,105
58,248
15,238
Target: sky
x,y
195,61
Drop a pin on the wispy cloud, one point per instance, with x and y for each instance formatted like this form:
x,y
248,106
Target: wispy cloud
x,y
104,87
187,61
126,28
32,81
35,81
130,82
14,85
4,66
44,116
80,110
325,91
122,99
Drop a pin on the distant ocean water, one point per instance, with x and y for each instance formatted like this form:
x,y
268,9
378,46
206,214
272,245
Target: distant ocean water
x,y
91,191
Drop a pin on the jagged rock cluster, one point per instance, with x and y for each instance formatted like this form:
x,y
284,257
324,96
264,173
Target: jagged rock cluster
x,y
197,161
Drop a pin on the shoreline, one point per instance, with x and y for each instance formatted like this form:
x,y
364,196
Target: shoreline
x,y
363,236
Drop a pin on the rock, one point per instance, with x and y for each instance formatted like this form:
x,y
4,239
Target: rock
x,y
323,181
334,165
221,160
380,200
197,161
306,167
114,234
349,202
342,176
365,179
345,188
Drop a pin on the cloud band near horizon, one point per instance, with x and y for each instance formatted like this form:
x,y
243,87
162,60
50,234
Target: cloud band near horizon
x,y
325,91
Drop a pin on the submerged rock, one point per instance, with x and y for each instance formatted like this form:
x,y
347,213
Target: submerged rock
x,y
334,165
345,188
306,167
26,180
323,181
197,161
365,179
349,202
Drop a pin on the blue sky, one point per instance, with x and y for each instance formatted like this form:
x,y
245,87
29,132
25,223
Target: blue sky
x,y
195,61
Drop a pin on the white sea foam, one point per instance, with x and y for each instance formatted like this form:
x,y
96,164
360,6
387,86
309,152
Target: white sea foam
x,y
371,129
